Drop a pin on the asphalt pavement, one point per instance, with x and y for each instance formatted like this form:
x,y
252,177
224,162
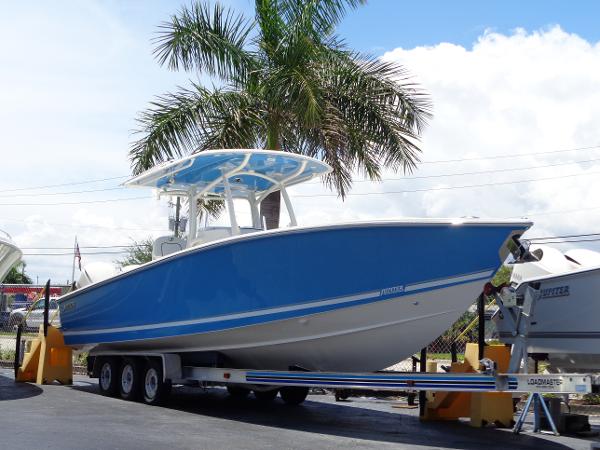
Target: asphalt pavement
x,y
77,417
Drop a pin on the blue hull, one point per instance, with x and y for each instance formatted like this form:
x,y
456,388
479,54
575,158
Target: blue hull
x,y
282,274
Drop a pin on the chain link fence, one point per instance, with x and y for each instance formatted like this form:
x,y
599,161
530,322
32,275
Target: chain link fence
x,y
463,331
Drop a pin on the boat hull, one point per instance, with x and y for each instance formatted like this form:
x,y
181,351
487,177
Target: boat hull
x,y
565,324
352,297
382,333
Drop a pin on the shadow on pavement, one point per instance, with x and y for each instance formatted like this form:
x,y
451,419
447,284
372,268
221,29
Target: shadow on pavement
x,y
9,390
353,422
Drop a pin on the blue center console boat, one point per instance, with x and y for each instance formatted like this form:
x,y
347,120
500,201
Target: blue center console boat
x,y
341,297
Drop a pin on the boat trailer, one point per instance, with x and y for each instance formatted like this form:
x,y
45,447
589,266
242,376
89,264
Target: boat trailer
x,y
152,374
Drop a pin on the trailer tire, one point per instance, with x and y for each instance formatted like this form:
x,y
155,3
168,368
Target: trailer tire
x,y
266,396
108,376
293,395
130,379
155,391
238,392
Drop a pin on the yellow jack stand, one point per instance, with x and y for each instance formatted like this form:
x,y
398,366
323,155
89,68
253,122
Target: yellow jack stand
x,y
47,360
482,408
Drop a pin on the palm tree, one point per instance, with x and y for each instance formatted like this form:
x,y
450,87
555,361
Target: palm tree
x,y
17,275
285,82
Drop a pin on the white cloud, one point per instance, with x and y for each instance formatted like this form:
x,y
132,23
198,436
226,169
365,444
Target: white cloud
x,y
70,94
508,95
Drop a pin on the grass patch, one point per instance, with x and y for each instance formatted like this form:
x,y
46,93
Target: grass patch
x,y
460,356
7,354
80,359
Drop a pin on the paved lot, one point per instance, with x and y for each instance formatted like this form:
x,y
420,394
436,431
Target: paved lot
x,y
59,417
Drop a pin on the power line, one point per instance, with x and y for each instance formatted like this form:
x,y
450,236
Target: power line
x,y
567,242
566,236
76,203
98,180
89,226
71,253
478,172
418,177
82,246
445,188
62,193
511,156
547,213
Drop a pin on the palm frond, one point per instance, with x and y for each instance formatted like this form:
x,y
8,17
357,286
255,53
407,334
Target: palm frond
x,y
271,24
169,128
382,108
207,39
369,120
323,15
195,119
232,119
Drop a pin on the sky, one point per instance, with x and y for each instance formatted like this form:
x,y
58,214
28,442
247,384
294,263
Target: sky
x,y
515,88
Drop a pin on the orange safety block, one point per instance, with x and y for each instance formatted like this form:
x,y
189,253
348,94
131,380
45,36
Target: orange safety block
x,y
48,359
482,408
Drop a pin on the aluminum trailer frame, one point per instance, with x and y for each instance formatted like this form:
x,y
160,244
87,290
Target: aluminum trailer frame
x,y
177,373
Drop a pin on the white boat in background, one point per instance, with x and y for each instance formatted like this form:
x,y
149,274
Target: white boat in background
x,y
344,297
10,254
565,327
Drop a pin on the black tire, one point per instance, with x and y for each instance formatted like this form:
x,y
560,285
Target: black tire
x,y
155,391
238,392
130,379
341,395
108,376
293,395
266,396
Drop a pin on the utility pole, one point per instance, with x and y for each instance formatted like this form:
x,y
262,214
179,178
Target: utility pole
x,y
177,220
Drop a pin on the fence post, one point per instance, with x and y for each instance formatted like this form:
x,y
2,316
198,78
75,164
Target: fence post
x,y
422,394
412,395
481,325
46,306
18,349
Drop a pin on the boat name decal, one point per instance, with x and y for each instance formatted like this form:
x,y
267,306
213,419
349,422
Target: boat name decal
x,y
68,306
392,290
560,291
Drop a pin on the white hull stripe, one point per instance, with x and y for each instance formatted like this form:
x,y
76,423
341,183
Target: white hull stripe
x,y
436,283
296,307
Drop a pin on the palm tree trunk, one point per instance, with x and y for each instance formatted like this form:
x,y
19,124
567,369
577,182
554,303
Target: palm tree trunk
x,y
270,207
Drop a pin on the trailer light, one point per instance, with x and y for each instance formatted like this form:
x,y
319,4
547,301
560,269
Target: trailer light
x,y
227,375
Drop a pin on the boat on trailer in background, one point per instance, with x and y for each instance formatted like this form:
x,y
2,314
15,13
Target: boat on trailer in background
x,y
564,327
10,254
341,297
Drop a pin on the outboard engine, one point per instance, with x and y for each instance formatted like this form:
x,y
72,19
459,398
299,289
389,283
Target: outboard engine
x,y
95,272
546,261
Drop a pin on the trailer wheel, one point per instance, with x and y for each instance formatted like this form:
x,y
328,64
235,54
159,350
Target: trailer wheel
x,y
238,392
293,395
266,396
130,379
108,378
155,391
